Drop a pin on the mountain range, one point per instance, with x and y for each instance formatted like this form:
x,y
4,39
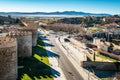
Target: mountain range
x,y
55,13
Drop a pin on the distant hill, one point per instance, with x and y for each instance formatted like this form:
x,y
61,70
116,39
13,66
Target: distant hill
x,y
55,13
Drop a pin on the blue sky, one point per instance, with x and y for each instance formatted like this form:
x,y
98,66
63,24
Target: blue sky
x,y
92,6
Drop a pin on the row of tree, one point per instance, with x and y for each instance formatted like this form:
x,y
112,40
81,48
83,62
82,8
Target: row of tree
x,y
8,20
90,21
70,28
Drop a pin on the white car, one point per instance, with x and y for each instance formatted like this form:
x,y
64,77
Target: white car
x,y
91,51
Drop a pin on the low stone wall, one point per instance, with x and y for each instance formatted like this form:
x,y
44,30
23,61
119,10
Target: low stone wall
x,y
101,65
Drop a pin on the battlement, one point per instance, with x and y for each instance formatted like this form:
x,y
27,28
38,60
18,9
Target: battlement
x,y
20,33
7,42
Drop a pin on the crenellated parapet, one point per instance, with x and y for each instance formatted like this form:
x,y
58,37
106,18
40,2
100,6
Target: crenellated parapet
x,y
20,33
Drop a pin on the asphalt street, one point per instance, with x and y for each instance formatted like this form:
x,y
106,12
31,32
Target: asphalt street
x,y
69,70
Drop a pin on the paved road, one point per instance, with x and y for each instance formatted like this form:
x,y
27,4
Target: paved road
x,y
68,69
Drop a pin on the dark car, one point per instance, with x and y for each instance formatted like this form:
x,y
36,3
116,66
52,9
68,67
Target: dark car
x,y
69,36
66,40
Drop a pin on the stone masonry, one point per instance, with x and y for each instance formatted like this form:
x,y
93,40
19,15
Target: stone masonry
x,y
8,58
24,41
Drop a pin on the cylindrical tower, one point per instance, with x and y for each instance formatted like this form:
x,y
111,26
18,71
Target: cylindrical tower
x,y
8,58
24,41
34,34
30,26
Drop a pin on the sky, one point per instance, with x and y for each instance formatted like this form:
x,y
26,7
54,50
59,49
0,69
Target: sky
x,y
92,6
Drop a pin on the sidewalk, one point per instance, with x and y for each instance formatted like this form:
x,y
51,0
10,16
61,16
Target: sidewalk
x,y
54,62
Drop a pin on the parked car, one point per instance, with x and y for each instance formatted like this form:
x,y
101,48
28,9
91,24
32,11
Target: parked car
x,y
90,50
66,40
69,36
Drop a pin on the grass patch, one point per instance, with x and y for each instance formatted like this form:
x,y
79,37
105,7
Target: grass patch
x,y
105,58
106,78
36,67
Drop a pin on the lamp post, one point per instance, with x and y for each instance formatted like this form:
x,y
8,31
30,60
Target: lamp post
x,y
107,34
94,56
58,59
57,56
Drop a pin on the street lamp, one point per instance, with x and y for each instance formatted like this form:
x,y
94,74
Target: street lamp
x,y
94,56
109,32
58,59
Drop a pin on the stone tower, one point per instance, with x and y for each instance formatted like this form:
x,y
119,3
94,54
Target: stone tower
x,y
34,34
30,26
8,58
24,41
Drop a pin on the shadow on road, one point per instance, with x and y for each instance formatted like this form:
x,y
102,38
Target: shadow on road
x,y
42,37
40,49
46,44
